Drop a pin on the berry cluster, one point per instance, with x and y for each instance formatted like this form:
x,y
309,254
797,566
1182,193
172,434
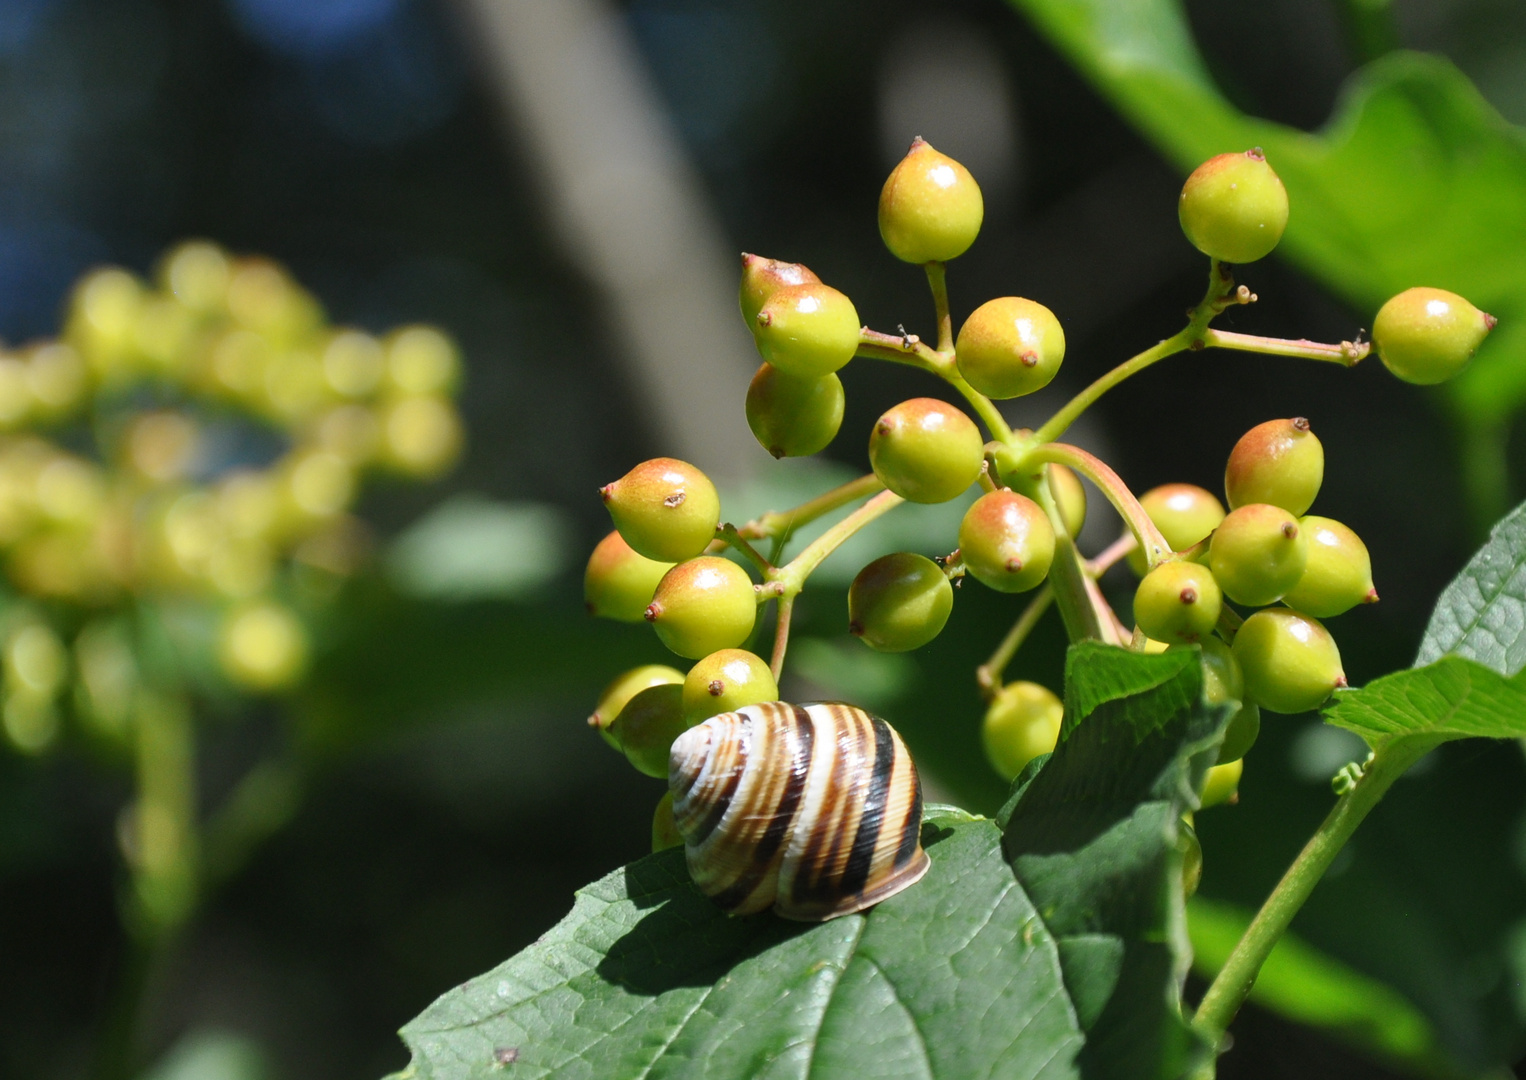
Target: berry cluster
x,y
198,441
672,560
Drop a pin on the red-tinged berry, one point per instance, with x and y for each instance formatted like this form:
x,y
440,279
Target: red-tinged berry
x,y
1222,784
1178,602
726,680
1184,513
926,451
761,278
1280,462
1009,347
1006,541
793,416
930,207
899,602
702,606
619,583
1234,207
665,509
1020,724
808,330
625,686
1290,661
665,832
1258,553
647,726
1426,336
1070,497
1339,574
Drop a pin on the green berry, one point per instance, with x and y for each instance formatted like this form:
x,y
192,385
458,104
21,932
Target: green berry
x,y
793,416
1290,661
1222,784
1184,513
1224,681
1240,733
899,602
1234,207
726,680
1178,601
665,509
1006,541
624,687
1426,336
930,207
665,832
761,278
1339,574
1022,723
1280,462
926,451
703,605
1192,858
1258,553
1009,347
619,583
808,330
1068,493
647,726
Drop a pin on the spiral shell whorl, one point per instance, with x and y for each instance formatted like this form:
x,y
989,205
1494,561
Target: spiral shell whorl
x,y
813,809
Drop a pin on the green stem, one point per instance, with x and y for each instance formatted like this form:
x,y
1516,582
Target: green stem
x,y
781,635
937,282
1084,620
910,350
1098,472
778,524
988,675
729,535
1060,422
792,575
1346,353
1234,981
261,804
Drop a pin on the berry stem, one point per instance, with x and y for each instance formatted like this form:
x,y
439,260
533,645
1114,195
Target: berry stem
x,y
1082,607
1233,984
781,635
1111,554
938,283
793,574
1098,472
988,675
910,350
778,524
1347,354
728,534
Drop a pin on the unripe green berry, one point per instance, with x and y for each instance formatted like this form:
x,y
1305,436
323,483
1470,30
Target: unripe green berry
x,y
1192,858
647,726
703,605
926,451
1240,733
1178,601
1280,462
1339,574
624,687
1234,207
761,278
808,330
1006,541
1009,347
1070,496
665,832
930,207
1224,681
1222,784
1184,513
899,602
1290,661
726,680
618,583
1258,553
1022,723
665,509
1426,336
793,416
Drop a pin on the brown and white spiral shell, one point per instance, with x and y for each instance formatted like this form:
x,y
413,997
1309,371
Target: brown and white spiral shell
x,y
813,809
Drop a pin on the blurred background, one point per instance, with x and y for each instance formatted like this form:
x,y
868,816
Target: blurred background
x,y
563,186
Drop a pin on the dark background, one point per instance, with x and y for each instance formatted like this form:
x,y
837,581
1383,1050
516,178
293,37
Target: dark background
x,y
358,142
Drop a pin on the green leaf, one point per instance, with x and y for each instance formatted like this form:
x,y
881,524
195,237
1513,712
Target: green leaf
x,y
1310,987
1482,614
1454,698
1092,837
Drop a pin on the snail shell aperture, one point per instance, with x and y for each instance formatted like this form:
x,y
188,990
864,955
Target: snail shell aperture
x,y
813,809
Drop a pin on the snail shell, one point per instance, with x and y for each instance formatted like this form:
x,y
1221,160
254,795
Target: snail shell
x,y
813,809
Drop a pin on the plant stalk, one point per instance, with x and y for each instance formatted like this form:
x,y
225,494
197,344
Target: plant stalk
x,y
938,283
778,524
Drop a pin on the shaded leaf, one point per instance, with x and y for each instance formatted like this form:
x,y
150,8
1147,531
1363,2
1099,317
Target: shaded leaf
x,y
1482,614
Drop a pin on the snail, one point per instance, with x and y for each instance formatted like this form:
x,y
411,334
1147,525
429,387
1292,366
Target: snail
x,y
815,810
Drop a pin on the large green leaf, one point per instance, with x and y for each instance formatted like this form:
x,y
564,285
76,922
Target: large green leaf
x,y
962,975
1454,698
1482,613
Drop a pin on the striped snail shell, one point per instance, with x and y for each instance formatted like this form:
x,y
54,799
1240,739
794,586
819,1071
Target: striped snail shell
x,y
813,809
